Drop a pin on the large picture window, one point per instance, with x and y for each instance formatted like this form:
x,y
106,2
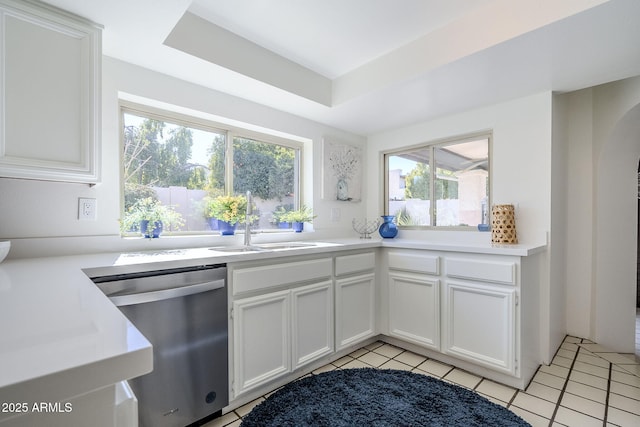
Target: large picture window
x,y
178,164
444,184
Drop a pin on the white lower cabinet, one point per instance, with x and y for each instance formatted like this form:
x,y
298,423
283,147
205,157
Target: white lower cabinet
x,y
355,309
414,308
279,332
480,324
312,322
286,315
96,409
261,348
464,306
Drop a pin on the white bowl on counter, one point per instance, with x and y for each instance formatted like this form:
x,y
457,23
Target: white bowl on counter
x,y
5,245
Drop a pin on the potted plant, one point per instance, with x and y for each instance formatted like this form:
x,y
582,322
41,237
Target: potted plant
x,y
279,215
151,216
228,211
299,217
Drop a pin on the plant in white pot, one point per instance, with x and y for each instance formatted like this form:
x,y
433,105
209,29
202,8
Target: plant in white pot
x,y
298,217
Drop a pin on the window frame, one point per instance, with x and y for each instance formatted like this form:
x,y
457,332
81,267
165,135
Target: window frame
x,y
432,145
229,131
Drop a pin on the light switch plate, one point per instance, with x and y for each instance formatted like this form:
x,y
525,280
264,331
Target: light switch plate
x,y
87,209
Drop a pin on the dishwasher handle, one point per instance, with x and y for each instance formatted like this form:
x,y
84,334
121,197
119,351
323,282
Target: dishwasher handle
x,y
152,296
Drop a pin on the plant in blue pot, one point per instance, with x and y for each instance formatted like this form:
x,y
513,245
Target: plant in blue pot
x,y
298,217
278,216
228,211
151,217
388,229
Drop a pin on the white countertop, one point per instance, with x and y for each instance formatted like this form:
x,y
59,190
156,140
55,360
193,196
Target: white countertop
x,y
478,248
61,337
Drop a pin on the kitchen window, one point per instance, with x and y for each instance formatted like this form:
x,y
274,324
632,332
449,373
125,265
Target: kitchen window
x,y
179,162
440,184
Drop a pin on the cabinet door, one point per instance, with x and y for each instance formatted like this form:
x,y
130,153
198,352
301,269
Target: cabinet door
x,y
311,322
50,64
480,324
355,309
260,340
414,308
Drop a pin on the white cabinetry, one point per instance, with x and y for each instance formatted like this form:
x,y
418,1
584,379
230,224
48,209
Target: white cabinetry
x,y
261,346
466,307
481,310
312,322
50,65
480,324
414,297
355,299
284,327
414,308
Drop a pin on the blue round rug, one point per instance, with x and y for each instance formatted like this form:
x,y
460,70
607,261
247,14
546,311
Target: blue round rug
x,y
377,397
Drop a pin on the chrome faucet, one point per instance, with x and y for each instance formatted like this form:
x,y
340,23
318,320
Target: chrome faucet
x,y
247,221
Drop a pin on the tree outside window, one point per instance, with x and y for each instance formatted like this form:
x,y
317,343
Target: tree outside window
x,y
180,166
442,184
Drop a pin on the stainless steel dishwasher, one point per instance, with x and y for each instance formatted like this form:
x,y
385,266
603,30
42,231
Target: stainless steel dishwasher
x,y
183,313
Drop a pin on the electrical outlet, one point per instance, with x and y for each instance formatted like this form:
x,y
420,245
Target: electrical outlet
x,y
87,209
335,214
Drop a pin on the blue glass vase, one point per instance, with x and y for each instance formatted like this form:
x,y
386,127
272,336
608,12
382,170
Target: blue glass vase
x,y
388,229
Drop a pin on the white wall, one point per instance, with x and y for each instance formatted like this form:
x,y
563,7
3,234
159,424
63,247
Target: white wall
x,y
556,256
520,174
41,217
617,144
577,136
521,156
603,145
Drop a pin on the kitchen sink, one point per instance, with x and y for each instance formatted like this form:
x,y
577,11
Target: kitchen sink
x,y
286,245
237,249
264,247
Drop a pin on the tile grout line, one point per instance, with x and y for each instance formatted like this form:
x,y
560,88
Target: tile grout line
x,y
510,403
452,368
478,385
606,403
515,395
564,387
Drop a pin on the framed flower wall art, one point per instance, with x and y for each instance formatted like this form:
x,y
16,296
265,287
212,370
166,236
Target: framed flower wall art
x,y
342,171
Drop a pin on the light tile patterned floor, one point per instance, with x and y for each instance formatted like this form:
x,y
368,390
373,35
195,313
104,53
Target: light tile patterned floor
x,y
585,385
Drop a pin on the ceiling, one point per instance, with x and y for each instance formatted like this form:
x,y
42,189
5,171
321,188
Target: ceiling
x,y
366,66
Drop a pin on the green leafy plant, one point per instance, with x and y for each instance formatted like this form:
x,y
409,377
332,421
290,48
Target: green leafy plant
x,y
304,214
231,209
403,217
280,212
149,209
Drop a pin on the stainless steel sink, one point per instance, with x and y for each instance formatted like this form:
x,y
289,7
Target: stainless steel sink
x,y
286,245
264,247
237,249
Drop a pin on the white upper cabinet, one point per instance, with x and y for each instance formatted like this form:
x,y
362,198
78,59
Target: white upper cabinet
x,y
50,69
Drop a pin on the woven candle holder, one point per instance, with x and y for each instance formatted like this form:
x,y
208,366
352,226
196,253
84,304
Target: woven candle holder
x,y
503,224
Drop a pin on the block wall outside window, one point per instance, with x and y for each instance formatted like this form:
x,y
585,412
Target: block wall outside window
x,y
442,184
180,164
